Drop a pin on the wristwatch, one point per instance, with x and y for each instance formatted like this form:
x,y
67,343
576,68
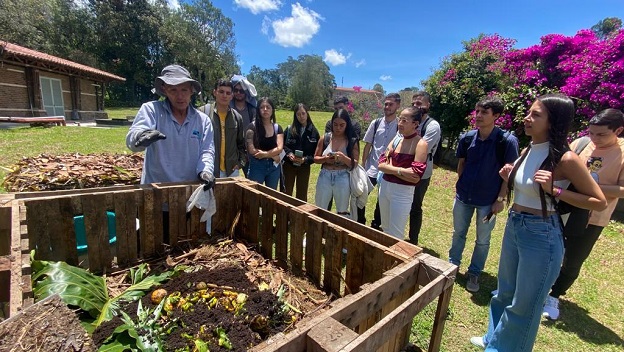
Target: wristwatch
x,y
501,199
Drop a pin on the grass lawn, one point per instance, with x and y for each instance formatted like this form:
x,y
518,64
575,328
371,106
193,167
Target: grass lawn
x,y
591,313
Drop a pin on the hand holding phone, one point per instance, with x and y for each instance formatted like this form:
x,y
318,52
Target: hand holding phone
x,y
489,217
298,158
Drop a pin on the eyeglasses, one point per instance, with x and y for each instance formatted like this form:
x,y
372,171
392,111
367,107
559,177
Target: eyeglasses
x,y
237,90
226,92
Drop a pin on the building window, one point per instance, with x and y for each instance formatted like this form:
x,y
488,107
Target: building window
x,y
52,94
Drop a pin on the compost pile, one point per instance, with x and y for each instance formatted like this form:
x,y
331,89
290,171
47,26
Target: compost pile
x,y
46,326
228,299
47,172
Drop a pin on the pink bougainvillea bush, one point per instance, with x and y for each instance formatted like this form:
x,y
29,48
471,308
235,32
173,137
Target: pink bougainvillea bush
x,y
586,67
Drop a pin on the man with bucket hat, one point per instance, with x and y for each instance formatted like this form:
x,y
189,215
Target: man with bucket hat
x,y
177,139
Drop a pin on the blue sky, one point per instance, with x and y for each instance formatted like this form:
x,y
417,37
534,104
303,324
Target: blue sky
x,y
394,43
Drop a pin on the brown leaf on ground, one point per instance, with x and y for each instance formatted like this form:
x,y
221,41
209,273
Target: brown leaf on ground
x,y
71,171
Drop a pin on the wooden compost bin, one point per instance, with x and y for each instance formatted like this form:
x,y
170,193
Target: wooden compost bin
x,y
382,283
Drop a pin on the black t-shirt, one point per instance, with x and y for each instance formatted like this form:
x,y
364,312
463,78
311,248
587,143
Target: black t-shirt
x,y
266,143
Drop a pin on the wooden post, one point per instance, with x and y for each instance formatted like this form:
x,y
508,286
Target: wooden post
x,y
125,223
329,336
297,229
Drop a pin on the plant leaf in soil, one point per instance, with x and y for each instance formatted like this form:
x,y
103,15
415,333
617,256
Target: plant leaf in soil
x,y
221,297
78,287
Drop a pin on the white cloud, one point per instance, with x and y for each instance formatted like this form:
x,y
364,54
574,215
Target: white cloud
x,y
257,6
360,63
335,58
298,29
385,77
172,4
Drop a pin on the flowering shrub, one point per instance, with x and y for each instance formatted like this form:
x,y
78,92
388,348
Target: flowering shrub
x,y
585,67
364,107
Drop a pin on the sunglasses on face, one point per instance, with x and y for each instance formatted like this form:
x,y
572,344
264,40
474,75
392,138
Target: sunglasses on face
x,y
237,90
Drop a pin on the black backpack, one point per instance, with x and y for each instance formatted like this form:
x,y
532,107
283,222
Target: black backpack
x,y
579,217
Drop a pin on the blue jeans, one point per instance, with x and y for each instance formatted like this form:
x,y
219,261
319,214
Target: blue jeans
x,y
334,183
234,173
462,214
264,171
530,260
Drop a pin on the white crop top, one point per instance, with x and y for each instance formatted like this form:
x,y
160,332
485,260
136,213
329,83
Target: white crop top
x,y
526,192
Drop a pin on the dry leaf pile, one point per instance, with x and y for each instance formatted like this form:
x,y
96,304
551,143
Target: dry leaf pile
x,y
73,171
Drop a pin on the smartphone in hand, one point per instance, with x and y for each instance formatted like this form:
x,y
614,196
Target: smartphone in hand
x,y
489,218
298,156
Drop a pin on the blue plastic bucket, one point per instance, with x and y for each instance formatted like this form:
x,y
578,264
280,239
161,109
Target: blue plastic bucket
x,y
81,237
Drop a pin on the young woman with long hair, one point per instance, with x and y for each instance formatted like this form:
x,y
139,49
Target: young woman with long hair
x,y
403,164
301,138
532,249
264,139
338,156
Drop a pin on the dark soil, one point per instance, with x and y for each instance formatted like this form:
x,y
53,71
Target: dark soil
x,y
48,325
240,330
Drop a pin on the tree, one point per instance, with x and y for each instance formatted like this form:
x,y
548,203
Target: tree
x,y
379,88
127,33
607,27
463,79
72,34
268,83
311,83
209,42
27,23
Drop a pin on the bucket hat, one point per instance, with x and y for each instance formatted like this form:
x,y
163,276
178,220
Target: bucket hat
x,y
173,75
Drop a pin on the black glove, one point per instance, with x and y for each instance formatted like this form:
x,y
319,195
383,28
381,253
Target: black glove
x,y
148,137
207,179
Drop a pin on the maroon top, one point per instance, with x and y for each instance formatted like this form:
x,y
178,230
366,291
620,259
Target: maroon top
x,y
406,161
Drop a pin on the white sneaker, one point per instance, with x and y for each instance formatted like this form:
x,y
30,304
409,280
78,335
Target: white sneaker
x,y
477,341
551,308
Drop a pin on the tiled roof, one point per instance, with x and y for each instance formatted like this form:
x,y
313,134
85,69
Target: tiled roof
x,y
351,90
36,58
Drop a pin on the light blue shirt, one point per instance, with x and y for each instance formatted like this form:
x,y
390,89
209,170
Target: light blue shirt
x,y
379,140
188,150
432,137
